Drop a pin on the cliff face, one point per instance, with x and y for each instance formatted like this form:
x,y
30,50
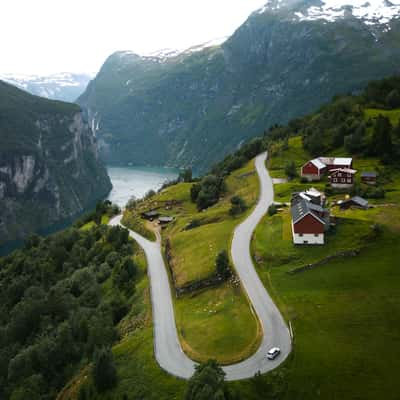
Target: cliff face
x,y
193,108
49,163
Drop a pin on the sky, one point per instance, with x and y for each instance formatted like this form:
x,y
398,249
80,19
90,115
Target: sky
x,y
50,36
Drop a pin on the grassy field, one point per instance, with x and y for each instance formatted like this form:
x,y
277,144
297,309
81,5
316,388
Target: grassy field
x,y
132,220
345,313
393,115
216,322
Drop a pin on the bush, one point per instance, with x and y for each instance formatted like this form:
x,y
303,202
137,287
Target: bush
x,y
207,192
290,169
222,265
104,372
238,205
272,210
207,383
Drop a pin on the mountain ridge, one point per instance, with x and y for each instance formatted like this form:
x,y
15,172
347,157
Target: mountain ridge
x,y
50,168
192,109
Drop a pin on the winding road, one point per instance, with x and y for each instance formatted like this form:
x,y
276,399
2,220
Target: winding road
x,y
168,350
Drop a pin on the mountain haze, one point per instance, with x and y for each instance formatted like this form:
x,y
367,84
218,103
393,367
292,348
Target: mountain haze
x,y
63,86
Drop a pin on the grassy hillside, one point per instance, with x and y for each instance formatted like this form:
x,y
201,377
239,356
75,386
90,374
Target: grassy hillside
x,y
215,322
344,313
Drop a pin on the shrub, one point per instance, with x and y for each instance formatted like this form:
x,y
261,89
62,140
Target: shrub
x,y
208,383
222,265
272,210
290,169
238,205
104,372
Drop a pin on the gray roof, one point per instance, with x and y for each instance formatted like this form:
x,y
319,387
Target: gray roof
x,y
359,200
152,213
166,219
301,209
369,174
316,207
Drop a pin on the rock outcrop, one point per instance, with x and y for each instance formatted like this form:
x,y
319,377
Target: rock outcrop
x,y
49,163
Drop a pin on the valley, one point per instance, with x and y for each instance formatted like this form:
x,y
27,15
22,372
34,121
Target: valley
x,y
215,223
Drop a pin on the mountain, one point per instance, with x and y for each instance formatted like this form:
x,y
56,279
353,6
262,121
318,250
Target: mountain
x,y
49,164
194,107
63,86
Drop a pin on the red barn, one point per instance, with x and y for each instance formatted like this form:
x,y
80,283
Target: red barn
x,y
313,170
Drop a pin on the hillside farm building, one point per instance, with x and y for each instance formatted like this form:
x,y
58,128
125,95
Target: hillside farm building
x,y
369,178
356,201
309,223
310,220
315,169
342,178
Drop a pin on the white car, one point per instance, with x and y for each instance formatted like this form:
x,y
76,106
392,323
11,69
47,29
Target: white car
x,y
273,353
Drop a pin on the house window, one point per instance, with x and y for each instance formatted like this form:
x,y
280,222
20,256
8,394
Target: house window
x,y
316,234
300,234
339,174
334,179
348,180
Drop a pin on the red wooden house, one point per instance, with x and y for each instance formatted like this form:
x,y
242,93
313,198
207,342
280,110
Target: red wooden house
x,y
342,177
309,223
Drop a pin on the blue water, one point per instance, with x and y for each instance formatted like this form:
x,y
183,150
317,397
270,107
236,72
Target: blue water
x,y
127,182
136,181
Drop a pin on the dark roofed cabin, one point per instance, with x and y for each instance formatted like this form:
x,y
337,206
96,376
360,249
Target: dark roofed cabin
x,y
355,201
369,177
165,220
150,215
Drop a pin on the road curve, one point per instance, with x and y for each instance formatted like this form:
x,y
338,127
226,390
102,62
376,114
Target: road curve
x,y
168,351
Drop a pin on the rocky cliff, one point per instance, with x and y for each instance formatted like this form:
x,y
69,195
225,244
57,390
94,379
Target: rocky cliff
x,y
49,163
287,59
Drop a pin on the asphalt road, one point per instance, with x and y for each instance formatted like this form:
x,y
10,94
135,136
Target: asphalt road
x,y
168,351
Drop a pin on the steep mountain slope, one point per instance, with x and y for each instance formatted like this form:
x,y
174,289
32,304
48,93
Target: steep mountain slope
x,y
285,60
64,86
49,165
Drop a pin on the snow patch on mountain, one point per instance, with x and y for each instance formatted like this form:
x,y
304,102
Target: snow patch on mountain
x,y
61,86
370,11
167,53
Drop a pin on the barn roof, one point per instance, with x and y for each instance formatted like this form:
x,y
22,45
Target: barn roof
x,y
318,163
301,209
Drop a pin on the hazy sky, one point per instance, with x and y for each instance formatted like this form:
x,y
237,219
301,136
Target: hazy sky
x,y
46,36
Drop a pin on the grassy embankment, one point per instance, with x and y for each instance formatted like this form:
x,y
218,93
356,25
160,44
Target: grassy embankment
x,y
214,322
346,313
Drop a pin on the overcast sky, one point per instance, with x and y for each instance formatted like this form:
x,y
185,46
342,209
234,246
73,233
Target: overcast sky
x,y
47,36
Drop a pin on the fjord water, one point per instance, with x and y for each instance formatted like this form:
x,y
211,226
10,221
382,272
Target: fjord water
x,y
136,181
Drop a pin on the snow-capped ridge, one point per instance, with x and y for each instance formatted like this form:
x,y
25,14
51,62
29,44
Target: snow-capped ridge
x,y
369,11
167,53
